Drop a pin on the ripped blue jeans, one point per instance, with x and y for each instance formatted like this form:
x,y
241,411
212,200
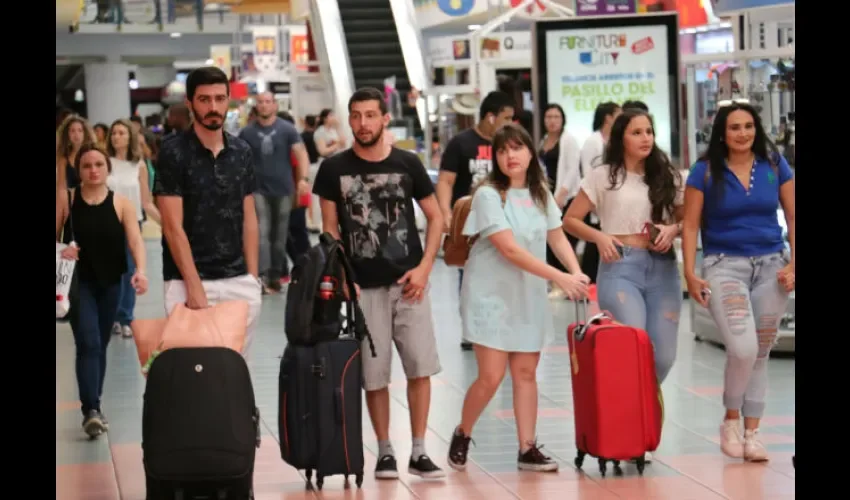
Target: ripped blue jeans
x,y
747,303
643,290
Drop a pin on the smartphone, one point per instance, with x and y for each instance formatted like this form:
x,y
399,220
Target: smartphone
x,y
652,231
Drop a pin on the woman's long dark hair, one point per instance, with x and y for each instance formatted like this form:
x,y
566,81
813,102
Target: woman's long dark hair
x,y
514,135
561,111
660,174
718,150
323,115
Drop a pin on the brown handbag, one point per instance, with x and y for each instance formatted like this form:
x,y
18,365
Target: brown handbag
x,y
456,245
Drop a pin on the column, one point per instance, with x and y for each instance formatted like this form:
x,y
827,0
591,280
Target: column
x,y
107,91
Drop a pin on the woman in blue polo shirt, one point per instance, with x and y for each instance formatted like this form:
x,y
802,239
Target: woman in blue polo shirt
x,y
732,196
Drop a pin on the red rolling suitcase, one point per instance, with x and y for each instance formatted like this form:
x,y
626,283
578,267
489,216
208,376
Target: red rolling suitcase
x,y
617,401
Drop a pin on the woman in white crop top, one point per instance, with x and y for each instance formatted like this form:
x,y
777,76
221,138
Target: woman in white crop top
x,y
636,191
129,177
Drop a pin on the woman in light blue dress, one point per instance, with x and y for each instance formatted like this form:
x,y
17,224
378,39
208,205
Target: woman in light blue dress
x,y
504,302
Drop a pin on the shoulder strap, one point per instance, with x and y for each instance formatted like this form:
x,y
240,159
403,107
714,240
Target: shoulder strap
x,y
70,215
355,320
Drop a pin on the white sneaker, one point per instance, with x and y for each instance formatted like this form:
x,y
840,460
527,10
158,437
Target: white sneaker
x,y
754,450
127,332
731,442
116,328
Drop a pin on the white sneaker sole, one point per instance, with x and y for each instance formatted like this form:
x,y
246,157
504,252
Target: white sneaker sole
x,y
386,474
553,467
457,467
437,474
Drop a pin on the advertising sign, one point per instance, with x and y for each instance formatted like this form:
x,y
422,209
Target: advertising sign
x,y
722,6
605,7
505,45
220,54
585,62
266,49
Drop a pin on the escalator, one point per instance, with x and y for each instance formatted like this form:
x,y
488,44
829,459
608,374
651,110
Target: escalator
x,y
374,49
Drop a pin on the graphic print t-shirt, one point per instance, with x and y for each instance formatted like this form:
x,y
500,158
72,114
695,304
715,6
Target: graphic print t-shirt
x,y
272,147
374,203
470,157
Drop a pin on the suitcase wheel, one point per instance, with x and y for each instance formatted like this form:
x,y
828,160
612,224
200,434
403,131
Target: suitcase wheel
x,y
579,461
640,462
603,467
358,480
320,481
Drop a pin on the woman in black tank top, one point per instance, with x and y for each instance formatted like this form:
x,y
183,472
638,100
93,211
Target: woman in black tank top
x,y
101,223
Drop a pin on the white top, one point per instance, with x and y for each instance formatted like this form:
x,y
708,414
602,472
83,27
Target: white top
x,y
592,151
626,209
568,175
326,134
124,180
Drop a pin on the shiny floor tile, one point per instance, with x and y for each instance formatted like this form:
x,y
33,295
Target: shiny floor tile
x,y
687,466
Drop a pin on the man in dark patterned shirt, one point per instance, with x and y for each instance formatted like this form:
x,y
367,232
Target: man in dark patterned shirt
x,y
204,190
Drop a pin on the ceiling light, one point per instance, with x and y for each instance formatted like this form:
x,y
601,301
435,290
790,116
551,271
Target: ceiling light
x,y
473,27
176,35
210,62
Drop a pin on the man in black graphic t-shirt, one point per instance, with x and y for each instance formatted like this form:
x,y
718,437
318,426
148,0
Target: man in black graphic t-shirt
x,y
467,159
367,195
204,190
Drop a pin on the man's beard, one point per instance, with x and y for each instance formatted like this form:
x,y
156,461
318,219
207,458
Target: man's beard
x,y
371,142
208,126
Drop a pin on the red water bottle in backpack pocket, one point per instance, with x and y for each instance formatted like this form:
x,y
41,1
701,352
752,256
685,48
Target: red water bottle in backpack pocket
x,y
327,287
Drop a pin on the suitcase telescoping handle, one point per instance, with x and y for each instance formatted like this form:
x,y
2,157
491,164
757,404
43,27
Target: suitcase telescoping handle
x,y
583,321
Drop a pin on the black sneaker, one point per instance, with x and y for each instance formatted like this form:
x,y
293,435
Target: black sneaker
x,y
103,419
273,284
466,346
92,424
458,450
534,460
386,468
425,468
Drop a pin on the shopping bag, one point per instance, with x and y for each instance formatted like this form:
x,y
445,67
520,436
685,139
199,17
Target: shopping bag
x,y
222,325
64,275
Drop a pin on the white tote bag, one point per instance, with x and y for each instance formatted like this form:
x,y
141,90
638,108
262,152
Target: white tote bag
x,y
64,273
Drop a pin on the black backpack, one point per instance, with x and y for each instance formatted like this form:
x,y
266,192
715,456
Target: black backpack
x,y
313,316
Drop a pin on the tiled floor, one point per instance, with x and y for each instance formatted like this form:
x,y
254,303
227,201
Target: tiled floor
x,y
688,465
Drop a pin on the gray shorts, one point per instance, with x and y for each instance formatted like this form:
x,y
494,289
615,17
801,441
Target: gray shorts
x,y
409,325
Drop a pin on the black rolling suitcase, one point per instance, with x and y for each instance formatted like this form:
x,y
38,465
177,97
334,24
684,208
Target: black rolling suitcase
x,y
200,426
320,419
321,413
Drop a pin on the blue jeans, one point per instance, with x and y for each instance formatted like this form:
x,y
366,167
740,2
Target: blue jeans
x,y
273,217
127,300
747,303
94,312
643,290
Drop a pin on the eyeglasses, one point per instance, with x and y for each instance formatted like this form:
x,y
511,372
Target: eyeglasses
x,y
730,102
